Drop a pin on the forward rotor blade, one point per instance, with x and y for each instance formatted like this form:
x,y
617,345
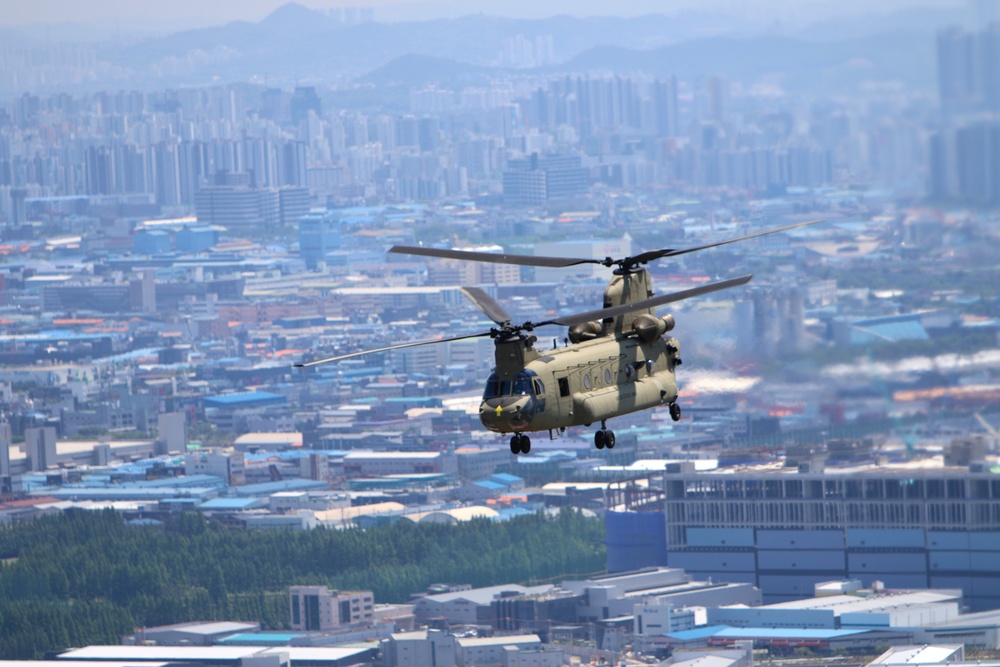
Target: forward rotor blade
x,y
390,347
643,258
580,318
473,256
493,310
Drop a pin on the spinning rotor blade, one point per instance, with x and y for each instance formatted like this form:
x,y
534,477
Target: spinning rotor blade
x,y
580,318
493,310
390,347
643,258
473,256
563,262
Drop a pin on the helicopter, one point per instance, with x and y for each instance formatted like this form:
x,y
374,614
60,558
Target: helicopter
x,y
617,359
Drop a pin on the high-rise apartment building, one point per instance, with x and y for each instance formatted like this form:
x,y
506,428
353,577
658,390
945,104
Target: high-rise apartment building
x,y
40,444
968,72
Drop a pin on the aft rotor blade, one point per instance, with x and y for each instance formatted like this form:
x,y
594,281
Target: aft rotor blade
x,y
604,313
493,310
643,258
340,357
492,258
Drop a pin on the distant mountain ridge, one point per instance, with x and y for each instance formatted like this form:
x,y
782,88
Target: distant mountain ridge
x,y
298,44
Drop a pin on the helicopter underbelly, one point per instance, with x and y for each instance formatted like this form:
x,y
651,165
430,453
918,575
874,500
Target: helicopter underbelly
x,y
594,406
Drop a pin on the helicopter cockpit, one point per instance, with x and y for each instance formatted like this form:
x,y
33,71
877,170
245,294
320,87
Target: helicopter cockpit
x,y
521,385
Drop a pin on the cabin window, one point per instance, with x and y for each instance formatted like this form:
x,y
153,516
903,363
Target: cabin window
x,y
586,381
564,386
539,388
607,376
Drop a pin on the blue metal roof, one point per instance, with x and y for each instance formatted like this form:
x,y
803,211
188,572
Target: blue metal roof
x,y
259,639
491,485
697,633
512,512
233,504
249,397
504,478
786,633
182,481
888,331
267,488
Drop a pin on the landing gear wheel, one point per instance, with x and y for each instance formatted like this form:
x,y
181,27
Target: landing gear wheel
x,y
515,444
599,439
525,444
609,439
675,412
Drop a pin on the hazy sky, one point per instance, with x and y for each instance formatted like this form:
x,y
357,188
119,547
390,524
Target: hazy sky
x,y
189,13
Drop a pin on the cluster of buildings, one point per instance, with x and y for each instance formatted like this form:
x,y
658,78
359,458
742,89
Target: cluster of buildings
x,y
655,616
169,256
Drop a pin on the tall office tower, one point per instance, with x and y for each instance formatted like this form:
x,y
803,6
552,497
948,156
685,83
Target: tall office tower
x,y
958,70
292,169
274,105
319,233
18,211
167,174
784,531
171,433
5,442
428,134
304,100
665,106
964,164
142,292
40,445
293,203
192,169
969,69
717,91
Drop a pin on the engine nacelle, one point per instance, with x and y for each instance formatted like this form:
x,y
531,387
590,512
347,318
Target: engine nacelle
x,y
585,331
650,327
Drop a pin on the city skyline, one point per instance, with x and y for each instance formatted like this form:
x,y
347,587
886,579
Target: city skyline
x,y
186,14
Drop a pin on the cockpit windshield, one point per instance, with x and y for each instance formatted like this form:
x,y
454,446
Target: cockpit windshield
x,y
519,386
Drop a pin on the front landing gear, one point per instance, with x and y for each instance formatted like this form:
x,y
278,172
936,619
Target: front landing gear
x,y
520,444
675,412
604,438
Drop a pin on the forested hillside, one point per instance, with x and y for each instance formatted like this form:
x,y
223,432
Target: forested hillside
x,y
88,577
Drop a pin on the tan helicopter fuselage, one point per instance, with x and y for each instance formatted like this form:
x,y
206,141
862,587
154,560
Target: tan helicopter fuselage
x,y
610,368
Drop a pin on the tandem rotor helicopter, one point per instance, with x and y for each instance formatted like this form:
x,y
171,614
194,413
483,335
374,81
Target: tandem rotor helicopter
x,y
618,360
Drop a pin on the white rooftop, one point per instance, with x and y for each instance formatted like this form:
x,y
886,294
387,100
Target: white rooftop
x,y
842,604
469,642
920,655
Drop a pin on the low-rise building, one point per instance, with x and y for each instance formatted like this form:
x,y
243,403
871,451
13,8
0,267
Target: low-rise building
x,y
320,608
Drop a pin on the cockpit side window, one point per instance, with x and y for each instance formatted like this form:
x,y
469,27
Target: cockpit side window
x,y
492,387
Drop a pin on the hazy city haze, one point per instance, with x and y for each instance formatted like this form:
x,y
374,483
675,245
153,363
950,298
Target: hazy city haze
x,y
191,13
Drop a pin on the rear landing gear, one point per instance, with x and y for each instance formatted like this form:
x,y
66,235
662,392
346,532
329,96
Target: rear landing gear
x,y
675,412
520,444
604,438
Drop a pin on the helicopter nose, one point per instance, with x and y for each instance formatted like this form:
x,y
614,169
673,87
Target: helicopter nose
x,y
507,413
